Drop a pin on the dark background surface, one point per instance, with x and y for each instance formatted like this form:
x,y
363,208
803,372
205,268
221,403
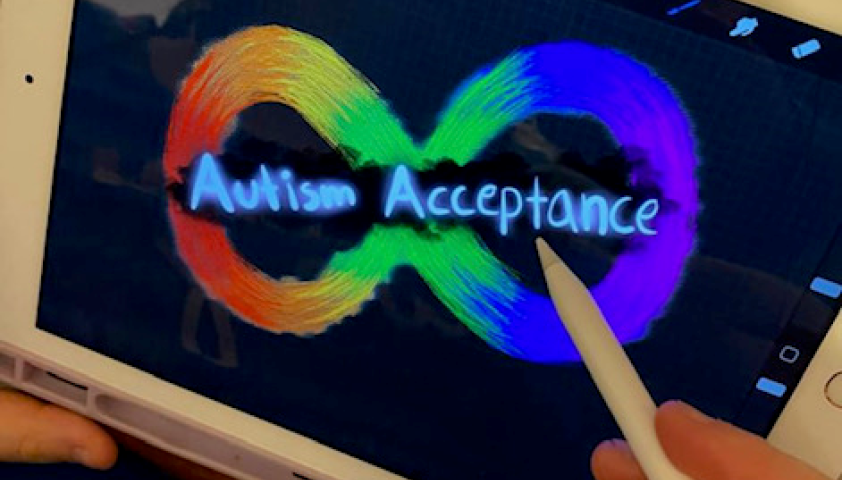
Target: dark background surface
x,y
129,467
761,235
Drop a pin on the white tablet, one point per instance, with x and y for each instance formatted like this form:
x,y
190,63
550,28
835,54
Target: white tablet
x,y
293,240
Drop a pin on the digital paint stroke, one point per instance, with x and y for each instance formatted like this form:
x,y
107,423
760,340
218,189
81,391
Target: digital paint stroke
x,y
273,64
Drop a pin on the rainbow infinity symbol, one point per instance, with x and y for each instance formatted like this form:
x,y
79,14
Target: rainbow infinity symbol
x,y
281,65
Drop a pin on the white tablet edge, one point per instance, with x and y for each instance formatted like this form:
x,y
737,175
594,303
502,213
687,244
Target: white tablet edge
x,y
208,432
810,426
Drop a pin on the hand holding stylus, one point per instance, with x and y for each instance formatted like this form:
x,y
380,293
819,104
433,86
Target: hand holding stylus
x,y
704,449
674,442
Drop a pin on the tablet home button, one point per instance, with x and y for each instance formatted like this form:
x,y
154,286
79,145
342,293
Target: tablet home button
x,y
834,390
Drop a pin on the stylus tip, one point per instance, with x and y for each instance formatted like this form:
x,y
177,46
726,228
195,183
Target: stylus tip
x,y
546,254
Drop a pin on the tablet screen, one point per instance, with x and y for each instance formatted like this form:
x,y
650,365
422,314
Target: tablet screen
x,y
323,213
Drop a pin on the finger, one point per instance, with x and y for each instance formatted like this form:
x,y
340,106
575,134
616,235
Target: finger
x,y
708,449
613,460
35,432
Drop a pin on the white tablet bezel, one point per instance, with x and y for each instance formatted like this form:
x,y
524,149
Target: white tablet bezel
x,y
34,40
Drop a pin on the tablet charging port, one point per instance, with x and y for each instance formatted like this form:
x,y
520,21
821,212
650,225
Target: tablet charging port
x,y
54,385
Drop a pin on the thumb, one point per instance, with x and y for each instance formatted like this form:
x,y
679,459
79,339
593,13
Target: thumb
x,y
708,449
34,432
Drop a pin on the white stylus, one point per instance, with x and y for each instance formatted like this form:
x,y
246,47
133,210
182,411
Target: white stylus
x,y
609,366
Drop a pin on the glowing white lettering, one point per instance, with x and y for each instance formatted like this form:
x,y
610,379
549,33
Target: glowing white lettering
x,y
591,213
647,212
402,191
211,186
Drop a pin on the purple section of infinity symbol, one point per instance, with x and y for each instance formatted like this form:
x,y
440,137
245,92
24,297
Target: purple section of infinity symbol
x,y
642,113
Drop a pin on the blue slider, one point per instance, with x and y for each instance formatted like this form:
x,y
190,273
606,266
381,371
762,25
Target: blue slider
x,y
806,49
826,287
773,388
